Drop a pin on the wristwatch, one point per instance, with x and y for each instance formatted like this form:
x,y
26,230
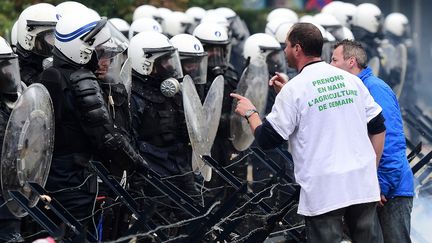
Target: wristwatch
x,y
249,113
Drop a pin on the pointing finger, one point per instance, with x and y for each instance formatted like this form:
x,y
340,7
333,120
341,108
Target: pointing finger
x,y
236,96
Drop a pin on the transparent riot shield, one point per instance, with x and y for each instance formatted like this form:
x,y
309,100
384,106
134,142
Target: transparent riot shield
x,y
253,85
401,67
202,120
388,55
126,76
374,64
27,146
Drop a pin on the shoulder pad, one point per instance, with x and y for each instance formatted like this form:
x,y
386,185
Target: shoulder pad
x,y
53,77
81,74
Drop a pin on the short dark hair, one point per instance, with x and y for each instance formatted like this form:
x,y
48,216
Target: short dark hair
x,y
308,36
354,49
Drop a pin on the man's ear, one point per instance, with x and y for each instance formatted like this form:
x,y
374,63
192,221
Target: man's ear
x,y
352,62
297,48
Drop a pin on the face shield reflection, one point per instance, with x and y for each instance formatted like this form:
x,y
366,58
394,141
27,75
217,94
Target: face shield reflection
x,y
110,56
44,43
217,55
10,76
196,67
166,65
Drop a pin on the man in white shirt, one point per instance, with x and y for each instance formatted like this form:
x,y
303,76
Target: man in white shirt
x,y
336,134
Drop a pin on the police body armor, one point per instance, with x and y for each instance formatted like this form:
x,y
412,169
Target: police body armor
x,y
84,131
159,127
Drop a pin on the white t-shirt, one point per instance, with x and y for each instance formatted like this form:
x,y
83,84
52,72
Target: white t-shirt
x,y
324,112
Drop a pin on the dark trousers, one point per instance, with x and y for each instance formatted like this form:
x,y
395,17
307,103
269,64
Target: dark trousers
x,y
360,219
395,219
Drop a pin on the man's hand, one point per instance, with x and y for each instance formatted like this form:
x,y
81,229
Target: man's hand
x,y
383,201
243,104
278,81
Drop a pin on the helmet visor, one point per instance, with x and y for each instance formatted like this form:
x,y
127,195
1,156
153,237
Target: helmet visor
x,y
166,65
196,67
217,55
111,56
9,76
44,43
276,62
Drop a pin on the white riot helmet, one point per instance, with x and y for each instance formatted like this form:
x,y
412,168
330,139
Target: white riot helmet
x,y
333,26
81,37
340,10
216,18
163,12
326,20
192,56
145,11
197,13
69,7
368,16
152,54
177,23
228,13
10,81
144,24
36,28
215,40
282,13
306,19
397,24
265,47
121,25
331,7
344,13
279,29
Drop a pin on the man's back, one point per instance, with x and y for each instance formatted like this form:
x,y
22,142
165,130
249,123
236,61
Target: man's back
x,y
324,112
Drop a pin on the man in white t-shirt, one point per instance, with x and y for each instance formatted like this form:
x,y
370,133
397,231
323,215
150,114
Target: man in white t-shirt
x,y
336,132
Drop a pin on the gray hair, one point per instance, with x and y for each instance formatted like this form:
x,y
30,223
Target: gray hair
x,y
353,49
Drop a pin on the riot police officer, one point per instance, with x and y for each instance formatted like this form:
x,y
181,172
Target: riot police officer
x,y
216,43
84,126
10,89
158,121
367,28
35,34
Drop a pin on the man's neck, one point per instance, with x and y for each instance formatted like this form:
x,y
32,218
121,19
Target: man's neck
x,y
356,70
306,60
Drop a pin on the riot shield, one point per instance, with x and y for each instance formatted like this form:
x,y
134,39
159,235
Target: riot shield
x,y
387,52
374,64
202,120
27,146
126,76
401,67
253,85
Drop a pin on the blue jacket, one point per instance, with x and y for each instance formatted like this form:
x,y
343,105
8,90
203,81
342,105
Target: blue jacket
x,y
394,172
